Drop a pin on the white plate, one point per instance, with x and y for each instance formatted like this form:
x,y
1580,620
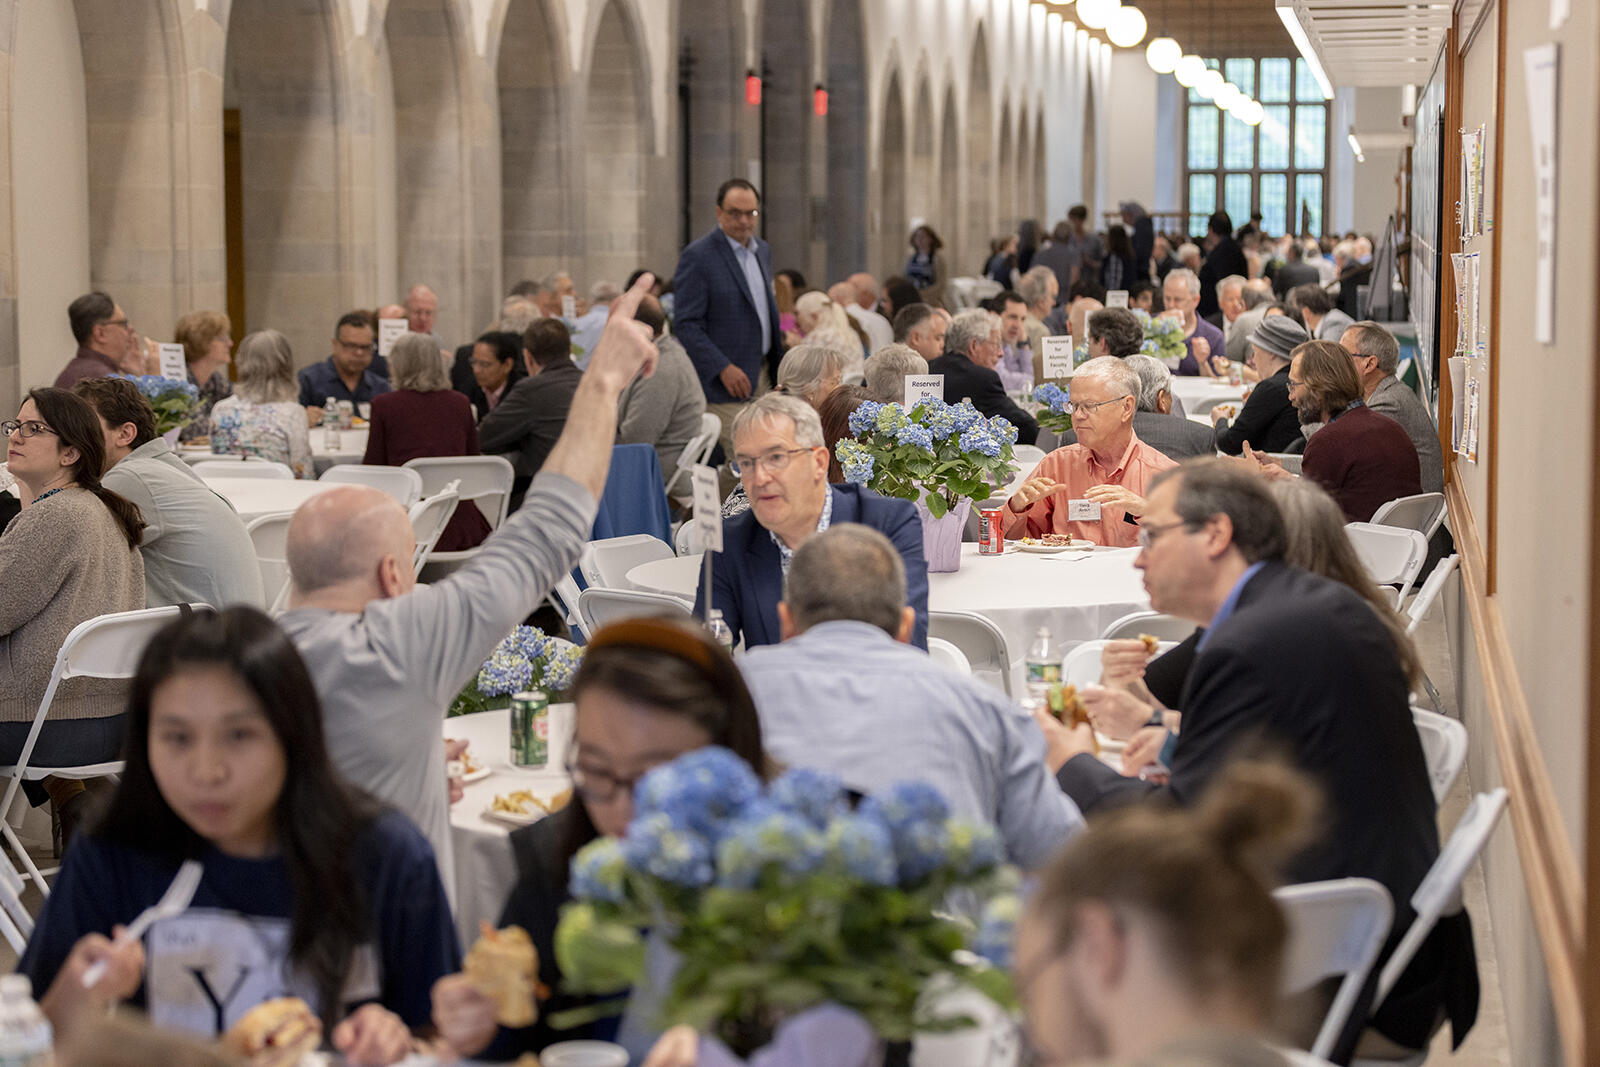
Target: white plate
x,y
509,818
478,775
1078,545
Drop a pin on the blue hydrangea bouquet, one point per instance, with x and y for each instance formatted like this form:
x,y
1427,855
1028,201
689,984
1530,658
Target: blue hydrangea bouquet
x,y
526,660
1163,338
781,899
1052,401
175,402
937,454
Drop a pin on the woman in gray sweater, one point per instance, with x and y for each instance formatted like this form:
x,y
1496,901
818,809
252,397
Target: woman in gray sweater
x,y
70,555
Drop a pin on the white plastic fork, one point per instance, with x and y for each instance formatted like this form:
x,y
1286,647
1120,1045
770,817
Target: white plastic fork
x,y
172,902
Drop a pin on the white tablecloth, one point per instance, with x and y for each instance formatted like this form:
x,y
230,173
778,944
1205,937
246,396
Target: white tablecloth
x,y
485,869
1198,394
255,497
677,576
352,449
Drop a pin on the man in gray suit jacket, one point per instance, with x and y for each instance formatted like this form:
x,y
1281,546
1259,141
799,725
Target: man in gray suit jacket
x,y
1377,356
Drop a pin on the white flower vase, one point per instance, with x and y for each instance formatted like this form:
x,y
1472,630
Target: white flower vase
x,y
171,436
941,537
826,1034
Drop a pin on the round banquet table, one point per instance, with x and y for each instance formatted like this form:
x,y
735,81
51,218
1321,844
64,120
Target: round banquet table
x,y
677,576
255,497
1198,394
485,869
352,449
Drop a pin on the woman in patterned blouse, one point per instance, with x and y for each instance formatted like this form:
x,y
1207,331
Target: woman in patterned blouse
x,y
263,417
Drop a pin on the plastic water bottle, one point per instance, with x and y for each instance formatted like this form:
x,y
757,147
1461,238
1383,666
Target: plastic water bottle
x,y
25,1034
1043,664
330,424
720,631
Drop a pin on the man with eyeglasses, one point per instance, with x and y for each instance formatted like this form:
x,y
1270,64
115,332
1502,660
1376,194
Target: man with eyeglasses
x,y
347,373
781,459
1295,663
1376,355
1093,489
972,349
725,311
107,342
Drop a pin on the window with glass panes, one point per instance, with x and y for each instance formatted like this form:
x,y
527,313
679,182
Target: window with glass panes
x,y
1278,168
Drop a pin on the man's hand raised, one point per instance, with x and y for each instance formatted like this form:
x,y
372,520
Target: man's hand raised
x,y
625,349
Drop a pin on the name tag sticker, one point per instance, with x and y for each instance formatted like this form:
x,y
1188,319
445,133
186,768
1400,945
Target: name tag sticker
x,y
1083,511
389,331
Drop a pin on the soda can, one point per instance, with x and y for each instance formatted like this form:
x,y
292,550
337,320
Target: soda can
x,y
1235,374
991,532
530,729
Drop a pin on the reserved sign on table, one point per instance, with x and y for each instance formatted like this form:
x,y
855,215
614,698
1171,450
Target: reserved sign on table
x,y
707,506
172,363
389,331
1056,352
920,387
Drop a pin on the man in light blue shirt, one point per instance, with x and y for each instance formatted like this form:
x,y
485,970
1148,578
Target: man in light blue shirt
x,y
587,328
845,693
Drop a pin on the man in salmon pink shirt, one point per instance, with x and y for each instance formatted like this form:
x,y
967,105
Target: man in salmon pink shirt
x,y
1094,489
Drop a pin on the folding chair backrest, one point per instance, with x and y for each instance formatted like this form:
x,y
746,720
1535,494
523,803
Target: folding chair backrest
x,y
1440,890
1027,455
599,606
1423,513
1391,555
270,535
1431,588
1154,623
248,467
403,484
606,563
688,539
1335,928
697,451
109,646
948,655
1081,666
1291,461
565,599
485,480
978,639
1444,747
429,517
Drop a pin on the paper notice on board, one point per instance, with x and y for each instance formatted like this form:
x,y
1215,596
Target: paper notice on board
x,y
1458,403
1472,192
1542,67
1473,391
1458,267
1559,10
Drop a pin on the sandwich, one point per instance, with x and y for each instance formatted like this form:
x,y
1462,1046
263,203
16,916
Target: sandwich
x,y
275,1033
1067,707
1152,643
505,965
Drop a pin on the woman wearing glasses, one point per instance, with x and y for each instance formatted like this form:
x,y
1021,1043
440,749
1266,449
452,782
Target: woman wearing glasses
x,y
649,690
72,553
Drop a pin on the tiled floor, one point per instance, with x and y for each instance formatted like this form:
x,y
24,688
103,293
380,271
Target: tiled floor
x,y
1487,1044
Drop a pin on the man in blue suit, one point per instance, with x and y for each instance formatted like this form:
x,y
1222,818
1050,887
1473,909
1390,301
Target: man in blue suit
x,y
725,312
783,463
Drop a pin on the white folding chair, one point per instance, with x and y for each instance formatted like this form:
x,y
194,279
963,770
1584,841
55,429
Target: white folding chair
x,y
108,646
1154,623
1440,890
1027,456
1291,461
564,598
696,452
399,482
1423,513
1335,927
429,517
270,536
1429,591
949,656
484,480
606,563
598,606
1391,555
687,539
1444,747
244,467
1081,666
978,639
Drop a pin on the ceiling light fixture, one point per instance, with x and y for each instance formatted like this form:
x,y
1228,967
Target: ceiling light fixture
x,y
1163,54
1127,27
1302,41
1355,145
1097,14
1189,70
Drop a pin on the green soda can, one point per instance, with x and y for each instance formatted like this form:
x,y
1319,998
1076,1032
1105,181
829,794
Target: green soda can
x,y
530,729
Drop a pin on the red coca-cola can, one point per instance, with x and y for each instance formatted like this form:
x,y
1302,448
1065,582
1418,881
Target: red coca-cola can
x,y
991,532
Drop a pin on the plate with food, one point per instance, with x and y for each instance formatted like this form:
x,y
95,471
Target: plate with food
x,y
469,768
1050,544
522,807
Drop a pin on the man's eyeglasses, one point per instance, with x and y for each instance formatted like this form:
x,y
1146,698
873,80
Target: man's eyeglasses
x,y
1294,384
774,461
122,323
1070,408
352,346
30,428
1148,535
735,214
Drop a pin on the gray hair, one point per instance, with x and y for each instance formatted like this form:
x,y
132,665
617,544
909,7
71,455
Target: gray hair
x,y
603,292
1114,371
1254,298
265,363
803,368
974,324
1186,249
887,369
1232,281
1034,285
1186,276
1378,341
552,281
770,406
1154,377
414,363
849,572
516,315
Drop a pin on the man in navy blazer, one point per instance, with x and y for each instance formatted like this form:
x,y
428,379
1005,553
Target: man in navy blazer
x,y
725,312
783,462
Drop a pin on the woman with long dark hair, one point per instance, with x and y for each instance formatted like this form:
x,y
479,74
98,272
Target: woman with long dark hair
x,y
71,554
309,889
648,691
1120,268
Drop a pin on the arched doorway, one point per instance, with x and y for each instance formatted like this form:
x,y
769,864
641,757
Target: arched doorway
x,y
616,135
1007,207
949,218
924,175
786,133
710,103
294,245
892,179
536,205
433,223
980,163
847,139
